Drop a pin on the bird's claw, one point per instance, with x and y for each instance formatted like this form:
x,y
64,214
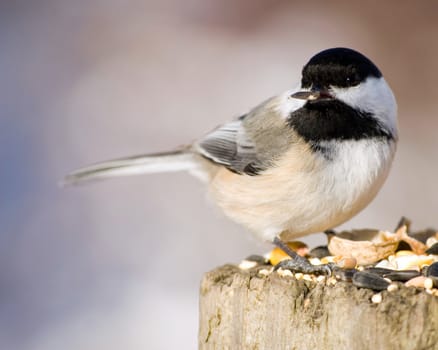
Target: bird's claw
x,y
304,266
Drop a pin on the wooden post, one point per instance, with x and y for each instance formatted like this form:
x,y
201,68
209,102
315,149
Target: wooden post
x,y
242,309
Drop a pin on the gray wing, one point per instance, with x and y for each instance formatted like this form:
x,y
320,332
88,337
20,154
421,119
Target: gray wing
x,y
253,142
231,146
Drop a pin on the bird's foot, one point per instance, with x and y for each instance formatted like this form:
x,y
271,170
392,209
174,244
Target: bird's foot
x,y
304,266
298,263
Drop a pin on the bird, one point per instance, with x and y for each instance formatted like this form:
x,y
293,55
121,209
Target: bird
x,y
301,162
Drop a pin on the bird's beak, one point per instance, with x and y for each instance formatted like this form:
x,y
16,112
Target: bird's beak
x,y
312,95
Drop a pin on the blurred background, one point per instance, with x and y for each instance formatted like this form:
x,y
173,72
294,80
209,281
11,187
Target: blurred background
x,y
117,265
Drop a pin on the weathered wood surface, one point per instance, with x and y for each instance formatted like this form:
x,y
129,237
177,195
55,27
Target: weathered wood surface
x,y
245,310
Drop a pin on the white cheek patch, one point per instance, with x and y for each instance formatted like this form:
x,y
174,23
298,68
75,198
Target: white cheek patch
x,y
373,96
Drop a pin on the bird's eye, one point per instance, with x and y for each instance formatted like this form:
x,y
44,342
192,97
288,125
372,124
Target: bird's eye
x,y
352,80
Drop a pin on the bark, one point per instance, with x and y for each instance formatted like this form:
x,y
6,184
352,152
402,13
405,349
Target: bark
x,y
241,309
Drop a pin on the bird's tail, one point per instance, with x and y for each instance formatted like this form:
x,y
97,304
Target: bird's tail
x,y
149,163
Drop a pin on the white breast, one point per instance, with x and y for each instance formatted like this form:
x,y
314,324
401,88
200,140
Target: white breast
x,y
306,192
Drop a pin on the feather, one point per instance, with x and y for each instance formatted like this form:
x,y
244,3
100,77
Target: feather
x,y
150,163
230,146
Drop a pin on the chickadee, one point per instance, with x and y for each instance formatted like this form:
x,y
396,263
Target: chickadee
x,y
302,162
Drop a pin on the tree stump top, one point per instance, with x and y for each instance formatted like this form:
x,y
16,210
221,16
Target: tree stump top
x,y
244,309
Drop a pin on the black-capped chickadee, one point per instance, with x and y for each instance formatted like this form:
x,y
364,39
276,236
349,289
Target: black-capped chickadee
x,y
299,163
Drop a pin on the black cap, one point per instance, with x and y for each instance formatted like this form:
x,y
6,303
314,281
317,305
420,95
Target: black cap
x,y
341,67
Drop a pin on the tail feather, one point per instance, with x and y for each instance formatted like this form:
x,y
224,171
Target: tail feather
x,y
142,164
